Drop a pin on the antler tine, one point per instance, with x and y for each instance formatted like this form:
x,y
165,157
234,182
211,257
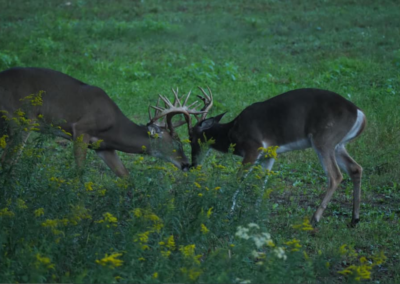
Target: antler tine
x,y
193,104
157,111
187,98
177,101
211,95
149,110
208,102
166,101
170,110
204,93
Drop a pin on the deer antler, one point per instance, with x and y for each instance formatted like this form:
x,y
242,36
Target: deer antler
x,y
208,102
172,109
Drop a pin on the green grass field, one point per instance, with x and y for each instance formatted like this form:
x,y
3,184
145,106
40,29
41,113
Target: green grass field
x,y
164,225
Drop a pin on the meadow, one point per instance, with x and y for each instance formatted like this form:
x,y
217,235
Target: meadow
x,y
164,225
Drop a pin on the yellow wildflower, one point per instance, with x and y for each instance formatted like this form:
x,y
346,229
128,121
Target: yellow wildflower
x,y
42,260
270,243
6,212
144,237
267,193
197,184
89,186
379,259
39,212
270,152
209,212
50,223
21,204
111,260
344,250
166,253
67,133
359,272
97,144
192,273
109,219
217,166
295,244
78,213
204,229
19,113
3,142
155,275
170,243
137,212
305,226
188,251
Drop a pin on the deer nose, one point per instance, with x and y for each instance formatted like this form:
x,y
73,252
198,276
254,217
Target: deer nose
x,y
185,167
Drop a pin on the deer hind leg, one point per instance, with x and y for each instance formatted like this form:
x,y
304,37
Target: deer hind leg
x,y
327,158
7,147
112,160
354,170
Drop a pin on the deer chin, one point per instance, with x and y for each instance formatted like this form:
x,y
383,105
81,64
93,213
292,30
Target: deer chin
x,y
179,164
200,157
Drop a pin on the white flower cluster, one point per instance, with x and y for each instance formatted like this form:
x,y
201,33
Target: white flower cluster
x,y
242,281
260,239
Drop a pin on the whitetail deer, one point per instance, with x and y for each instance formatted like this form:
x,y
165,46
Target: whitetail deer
x,y
294,120
87,112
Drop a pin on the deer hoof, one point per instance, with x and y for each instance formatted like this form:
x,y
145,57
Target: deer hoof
x,y
353,223
314,222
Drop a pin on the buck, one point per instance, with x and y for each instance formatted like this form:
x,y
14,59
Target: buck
x,y
294,120
89,115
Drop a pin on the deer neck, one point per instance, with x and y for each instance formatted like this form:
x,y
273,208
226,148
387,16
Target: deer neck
x,y
129,137
220,133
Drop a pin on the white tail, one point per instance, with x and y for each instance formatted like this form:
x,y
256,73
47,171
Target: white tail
x,y
294,120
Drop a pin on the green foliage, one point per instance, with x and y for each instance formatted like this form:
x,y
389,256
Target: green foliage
x,y
172,227
163,225
7,60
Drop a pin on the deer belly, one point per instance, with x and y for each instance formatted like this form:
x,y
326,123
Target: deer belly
x,y
296,145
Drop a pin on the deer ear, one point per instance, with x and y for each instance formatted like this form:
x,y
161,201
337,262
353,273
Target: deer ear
x,y
218,117
209,122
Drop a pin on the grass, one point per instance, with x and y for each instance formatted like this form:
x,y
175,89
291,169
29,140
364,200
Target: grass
x,y
246,51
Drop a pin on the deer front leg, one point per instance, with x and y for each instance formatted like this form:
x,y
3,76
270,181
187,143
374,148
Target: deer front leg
x,y
249,159
112,160
7,156
81,143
